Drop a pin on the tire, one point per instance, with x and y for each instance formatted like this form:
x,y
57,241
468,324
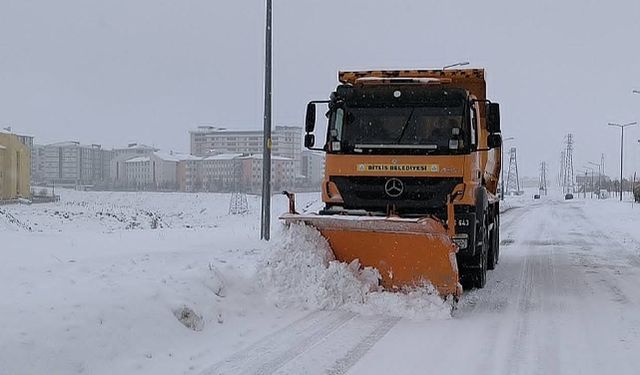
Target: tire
x,y
467,282
497,238
479,275
494,241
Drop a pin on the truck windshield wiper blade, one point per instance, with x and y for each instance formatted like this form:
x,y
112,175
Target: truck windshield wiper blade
x,y
404,127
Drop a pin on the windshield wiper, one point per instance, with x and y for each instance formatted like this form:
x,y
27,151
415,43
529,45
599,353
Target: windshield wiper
x,y
404,127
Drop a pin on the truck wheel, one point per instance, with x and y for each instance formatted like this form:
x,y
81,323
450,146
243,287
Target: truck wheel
x,y
494,241
497,238
480,274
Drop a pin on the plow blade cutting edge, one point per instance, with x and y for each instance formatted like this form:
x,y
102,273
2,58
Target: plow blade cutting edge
x,y
406,252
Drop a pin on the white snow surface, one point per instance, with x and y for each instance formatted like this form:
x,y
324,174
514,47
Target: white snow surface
x,y
96,283
300,270
169,283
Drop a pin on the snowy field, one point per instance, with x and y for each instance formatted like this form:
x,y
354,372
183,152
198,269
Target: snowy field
x,y
169,283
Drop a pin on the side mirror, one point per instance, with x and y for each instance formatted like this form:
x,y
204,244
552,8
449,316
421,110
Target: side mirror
x,y
494,140
309,140
310,122
493,117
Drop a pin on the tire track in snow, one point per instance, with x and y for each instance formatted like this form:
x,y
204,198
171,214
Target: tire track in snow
x,y
493,297
274,351
502,283
520,345
343,364
338,352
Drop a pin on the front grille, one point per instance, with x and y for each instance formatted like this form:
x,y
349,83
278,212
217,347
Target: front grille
x,y
421,195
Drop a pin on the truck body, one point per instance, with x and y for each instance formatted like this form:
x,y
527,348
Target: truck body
x,y
411,176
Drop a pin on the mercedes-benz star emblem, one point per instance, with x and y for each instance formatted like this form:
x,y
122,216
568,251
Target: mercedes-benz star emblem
x,y
393,187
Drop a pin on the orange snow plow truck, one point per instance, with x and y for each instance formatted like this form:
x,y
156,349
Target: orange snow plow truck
x,y
411,176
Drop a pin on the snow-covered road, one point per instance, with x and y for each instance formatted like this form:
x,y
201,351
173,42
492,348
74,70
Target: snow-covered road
x,y
565,299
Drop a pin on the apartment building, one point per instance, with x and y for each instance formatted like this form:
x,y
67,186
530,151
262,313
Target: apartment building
x,y
283,173
233,172
156,171
222,172
38,164
73,163
208,140
312,168
15,167
117,166
134,149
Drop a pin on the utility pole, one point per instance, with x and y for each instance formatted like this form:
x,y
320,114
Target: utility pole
x,y
238,204
502,166
543,178
585,178
265,228
622,126
561,175
566,167
513,180
600,174
592,184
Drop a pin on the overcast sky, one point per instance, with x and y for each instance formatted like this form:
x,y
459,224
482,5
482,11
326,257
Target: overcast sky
x,y
119,71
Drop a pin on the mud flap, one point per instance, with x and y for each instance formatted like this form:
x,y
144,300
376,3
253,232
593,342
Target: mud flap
x,y
406,252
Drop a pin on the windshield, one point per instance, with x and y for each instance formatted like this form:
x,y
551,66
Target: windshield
x,y
423,128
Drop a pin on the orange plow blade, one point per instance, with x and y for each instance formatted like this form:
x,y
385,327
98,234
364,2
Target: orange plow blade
x,y
406,252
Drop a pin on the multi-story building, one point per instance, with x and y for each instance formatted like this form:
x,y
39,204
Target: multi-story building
x,y
15,167
134,149
188,175
156,171
282,173
209,140
117,166
312,168
27,140
222,172
75,164
233,172
138,171
37,164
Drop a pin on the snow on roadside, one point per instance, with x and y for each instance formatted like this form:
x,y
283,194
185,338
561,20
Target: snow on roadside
x,y
87,292
300,271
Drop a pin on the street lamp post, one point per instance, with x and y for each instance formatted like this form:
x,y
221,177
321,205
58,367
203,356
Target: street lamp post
x,y
502,167
622,126
599,174
587,168
265,228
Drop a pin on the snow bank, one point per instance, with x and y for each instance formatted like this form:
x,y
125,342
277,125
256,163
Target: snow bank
x,y
299,270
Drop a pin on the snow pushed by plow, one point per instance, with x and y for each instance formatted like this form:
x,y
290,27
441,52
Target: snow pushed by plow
x,y
299,270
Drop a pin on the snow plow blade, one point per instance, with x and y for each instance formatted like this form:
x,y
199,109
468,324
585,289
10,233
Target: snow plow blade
x,y
406,252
